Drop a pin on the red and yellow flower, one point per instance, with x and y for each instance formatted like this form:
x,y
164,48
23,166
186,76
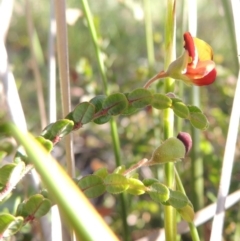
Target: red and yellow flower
x,y
195,66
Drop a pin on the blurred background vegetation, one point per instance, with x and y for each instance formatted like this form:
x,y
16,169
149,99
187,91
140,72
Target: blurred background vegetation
x,y
121,29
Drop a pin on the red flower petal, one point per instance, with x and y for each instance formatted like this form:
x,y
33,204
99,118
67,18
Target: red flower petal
x,y
205,80
190,47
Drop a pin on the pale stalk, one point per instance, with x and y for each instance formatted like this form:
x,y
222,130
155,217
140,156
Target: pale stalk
x,y
170,28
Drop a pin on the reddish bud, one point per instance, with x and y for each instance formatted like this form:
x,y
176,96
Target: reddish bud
x,y
186,140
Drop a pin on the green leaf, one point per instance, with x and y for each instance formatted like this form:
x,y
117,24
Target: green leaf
x,y
46,143
161,102
177,199
159,192
58,129
175,100
140,97
102,119
43,209
187,213
102,172
116,183
136,187
115,103
199,120
62,127
46,133
11,173
130,109
180,110
5,220
149,181
35,206
83,113
9,224
194,109
171,150
69,116
5,172
97,102
44,193
92,186
20,210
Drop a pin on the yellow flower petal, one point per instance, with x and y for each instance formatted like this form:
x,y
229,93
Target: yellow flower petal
x,y
204,50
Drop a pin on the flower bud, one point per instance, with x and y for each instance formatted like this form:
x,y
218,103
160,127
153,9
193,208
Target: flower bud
x,y
186,140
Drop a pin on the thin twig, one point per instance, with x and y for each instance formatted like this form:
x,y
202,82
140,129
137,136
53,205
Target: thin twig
x,y
136,166
35,68
63,65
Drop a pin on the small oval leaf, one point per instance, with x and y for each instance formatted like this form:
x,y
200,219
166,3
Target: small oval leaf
x,y
45,142
20,210
199,120
171,150
149,181
129,110
177,199
69,116
5,173
175,99
161,101
97,101
180,110
115,103
62,127
32,204
43,208
57,129
34,207
194,109
46,132
116,183
159,192
102,119
102,172
187,213
83,113
5,220
92,186
44,193
136,187
9,224
140,97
